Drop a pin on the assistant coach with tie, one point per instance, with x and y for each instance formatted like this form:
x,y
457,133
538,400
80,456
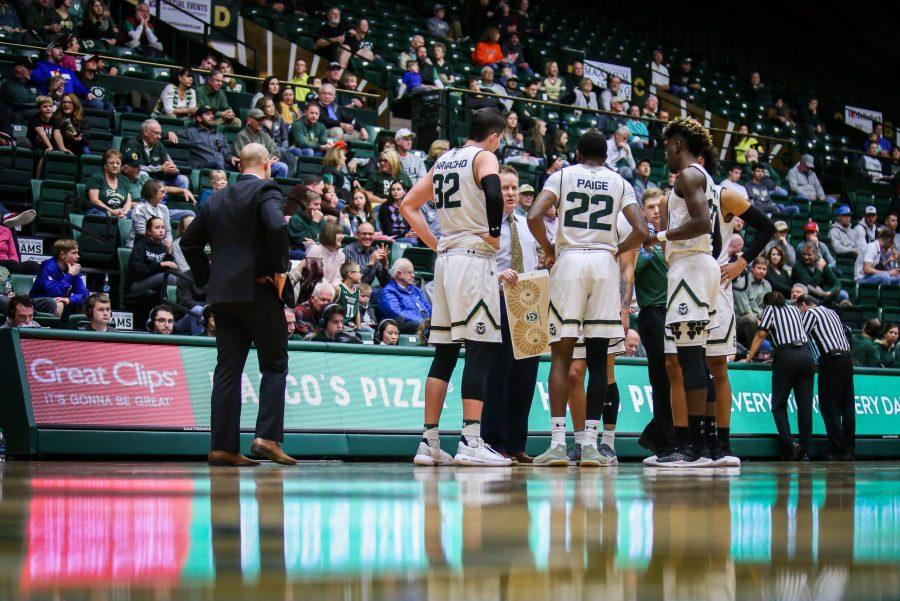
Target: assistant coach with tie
x,y
245,227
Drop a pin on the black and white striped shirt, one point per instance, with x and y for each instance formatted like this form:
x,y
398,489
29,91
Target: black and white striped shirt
x,y
784,324
826,330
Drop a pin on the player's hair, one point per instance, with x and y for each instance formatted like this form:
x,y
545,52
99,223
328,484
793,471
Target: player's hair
x,y
697,137
347,267
509,169
485,122
592,145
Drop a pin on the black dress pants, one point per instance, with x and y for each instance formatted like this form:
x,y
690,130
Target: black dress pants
x,y
837,402
651,327
510,390
792,369
260,322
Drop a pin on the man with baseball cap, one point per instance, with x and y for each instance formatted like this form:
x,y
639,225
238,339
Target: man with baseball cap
x,y
18,92
51,67
811,234
864,234
413,165
333,74
526,197
254,133
780,240
804,182
843,239
209,148
91,67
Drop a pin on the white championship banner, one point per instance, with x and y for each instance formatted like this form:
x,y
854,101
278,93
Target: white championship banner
x,y
527,312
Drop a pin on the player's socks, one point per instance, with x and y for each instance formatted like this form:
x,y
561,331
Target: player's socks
x,y
430,435
591,429
723,434
608,438
557,431
579,437
695,429
471,431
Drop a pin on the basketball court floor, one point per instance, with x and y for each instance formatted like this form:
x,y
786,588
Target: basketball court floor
x,y
359,531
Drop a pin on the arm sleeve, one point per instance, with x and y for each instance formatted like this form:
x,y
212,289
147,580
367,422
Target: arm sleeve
x,y
765,229
493,200
826,254
138,267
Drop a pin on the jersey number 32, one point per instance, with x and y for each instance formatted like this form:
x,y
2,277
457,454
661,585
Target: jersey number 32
x,y
583,204
445,188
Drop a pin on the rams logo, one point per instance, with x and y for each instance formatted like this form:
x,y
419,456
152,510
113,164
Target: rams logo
x,y
531,317
553,329
480,328
682,309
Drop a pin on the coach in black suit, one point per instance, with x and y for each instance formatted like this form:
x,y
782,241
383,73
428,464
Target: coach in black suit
x,y
244,225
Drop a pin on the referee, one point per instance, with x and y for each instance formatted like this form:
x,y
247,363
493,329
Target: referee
x,y
836,399
792,368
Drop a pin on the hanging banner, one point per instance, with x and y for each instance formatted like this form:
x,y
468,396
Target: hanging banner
x,y
599,72
218,13
862,119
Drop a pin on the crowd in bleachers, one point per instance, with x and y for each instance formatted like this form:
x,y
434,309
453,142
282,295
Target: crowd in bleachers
x,y
123,177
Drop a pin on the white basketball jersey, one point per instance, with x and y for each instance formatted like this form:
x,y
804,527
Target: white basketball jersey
x,y
459,201
678,214
590,200
722,230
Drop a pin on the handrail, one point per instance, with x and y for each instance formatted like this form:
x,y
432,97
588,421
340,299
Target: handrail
x,y
128,59
570,107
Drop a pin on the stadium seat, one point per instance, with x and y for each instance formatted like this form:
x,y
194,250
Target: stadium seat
x,y
97,239
423,260
890,296
52,201
22,283
60,166
867,294
408,340
90,164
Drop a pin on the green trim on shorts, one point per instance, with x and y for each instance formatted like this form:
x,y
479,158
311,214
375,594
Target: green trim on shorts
x,y
727,335
567,321
472,313
601,322
684,284
439,328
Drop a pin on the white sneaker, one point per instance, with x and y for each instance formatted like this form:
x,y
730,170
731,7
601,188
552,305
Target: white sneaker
x,y
13,220
431,455
479,453
651,461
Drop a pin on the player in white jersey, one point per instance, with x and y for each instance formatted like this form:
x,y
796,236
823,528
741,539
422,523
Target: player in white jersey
x,y
584,281
466,187
693,287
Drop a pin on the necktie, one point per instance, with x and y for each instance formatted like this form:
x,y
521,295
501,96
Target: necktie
x,y
516,261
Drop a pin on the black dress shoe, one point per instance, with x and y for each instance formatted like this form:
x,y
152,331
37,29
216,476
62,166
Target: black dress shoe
x,y
796,452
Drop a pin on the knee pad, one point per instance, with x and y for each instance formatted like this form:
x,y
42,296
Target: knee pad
x,y
445,358
693,367
479,361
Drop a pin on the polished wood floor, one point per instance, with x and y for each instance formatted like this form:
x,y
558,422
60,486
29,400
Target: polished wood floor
x,y
371,531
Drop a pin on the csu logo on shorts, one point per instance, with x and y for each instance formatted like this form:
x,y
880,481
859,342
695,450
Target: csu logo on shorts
x,y
480,328
682,309
553,329
531,317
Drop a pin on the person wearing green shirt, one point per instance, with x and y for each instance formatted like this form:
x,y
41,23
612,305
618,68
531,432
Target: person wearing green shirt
x,y
210,94
308,134
306,225
888,348
378,186
812,272
866,352
109,191
135,180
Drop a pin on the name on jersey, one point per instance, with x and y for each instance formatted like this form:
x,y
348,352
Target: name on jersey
x,y
592,184
458,164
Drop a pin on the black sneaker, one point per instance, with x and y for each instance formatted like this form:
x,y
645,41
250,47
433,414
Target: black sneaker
x,y
715,449
681,456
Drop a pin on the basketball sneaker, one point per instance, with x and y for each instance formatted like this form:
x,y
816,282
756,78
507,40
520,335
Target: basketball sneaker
x,y
575,454
555,456
431,455
681,456
602,456
727,458
476,452
609,453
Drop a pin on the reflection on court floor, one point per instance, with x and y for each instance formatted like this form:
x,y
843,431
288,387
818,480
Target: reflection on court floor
x,y
392,531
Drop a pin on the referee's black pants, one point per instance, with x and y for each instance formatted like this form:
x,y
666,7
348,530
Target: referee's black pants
x,y
510,390
837,402
792,369
651,328
238,325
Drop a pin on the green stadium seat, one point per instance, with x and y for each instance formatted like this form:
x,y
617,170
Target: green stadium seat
x,y
90,165
97,239
52,201
60,166
408,340
867,294
890,296
423,260
75,320
22,283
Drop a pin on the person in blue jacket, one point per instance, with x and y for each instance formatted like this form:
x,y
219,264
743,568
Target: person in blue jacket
x,y
50,67
59,288
402,301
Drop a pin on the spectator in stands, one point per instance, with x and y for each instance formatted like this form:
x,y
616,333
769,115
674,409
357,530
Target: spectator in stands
x,y
412,163
301,77
437,25
803,181
210,94
135,179
561,146
614,93
278,130
373,258
489,84
865,232
309,135
585,96
659,73
332,330
208,148
19,92
69,135
843,240
40,17
745,140
331,38
732,180
573,77
780,240
108,191
618,153
350,82
811,234
487,52
342,172
390,221
526,198
360,42
270,87
778,275
161,321
813,272
402,301
58,288
253,133
337,121
150,152
51,67
884,144
356,212
888,347
641,181
327,252
684,81
389,169
305,225
514,55
476,100
441,64
9,20
749,291
760,191
387,333
139,34
780,113
151,257
41,128
880,264
435,151
412,79
218,180
99,313
757,91
865,351
798,291
310,312
286,106
20,313
554,163
178,99
891,222
553,85
182,263
640,132
90,69
512,143
869,167
150,207
526,108
809,119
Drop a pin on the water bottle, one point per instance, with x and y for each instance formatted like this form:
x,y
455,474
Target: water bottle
x,y
2,446
106,283
7,286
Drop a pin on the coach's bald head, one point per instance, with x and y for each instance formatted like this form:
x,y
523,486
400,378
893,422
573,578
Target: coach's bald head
x,y
255,160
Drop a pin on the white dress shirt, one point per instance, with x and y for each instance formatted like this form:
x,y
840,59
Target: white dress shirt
x,y
526,241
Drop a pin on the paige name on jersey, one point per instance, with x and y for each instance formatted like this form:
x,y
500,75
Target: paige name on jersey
x,y
452,164
592,184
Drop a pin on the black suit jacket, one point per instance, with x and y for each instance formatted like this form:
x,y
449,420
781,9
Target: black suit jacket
x,y
244,225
